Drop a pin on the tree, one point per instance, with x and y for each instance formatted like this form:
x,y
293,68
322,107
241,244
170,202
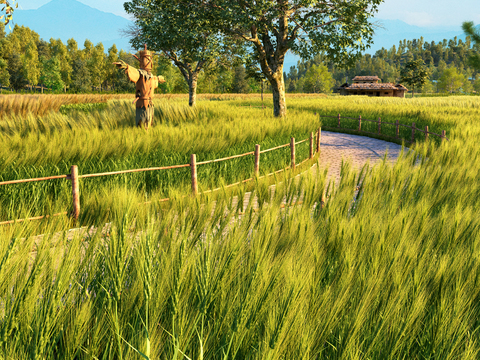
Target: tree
x,y
81,76
97,66
51,74
414,74
182,33
318,79
451,80
339,29
4,74
469,29
60,51
476,86
254,72
240,84
17,75
31,64
110,71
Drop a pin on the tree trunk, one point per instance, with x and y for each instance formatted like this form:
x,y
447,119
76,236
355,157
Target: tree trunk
x,y
192,91
413,91
262,89
278,89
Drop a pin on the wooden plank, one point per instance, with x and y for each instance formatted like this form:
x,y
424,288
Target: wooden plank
x,y
225,158
132,171
34,179
319,137
32,218
257,160
193,165
292,152
275,148
75,192
311,145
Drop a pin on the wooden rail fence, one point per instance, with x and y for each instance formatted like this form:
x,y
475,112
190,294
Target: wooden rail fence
x,y
379,128
74,176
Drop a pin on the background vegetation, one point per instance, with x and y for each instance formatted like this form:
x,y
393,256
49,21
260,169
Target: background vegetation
x,y
27,61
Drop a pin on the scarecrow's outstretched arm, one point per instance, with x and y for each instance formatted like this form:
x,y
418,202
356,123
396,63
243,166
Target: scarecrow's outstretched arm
x,y
132,73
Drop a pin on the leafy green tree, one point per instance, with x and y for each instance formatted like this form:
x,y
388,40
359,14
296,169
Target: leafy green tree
x,y
110,71
469,29
182,33
240,84
339,29
2,31
51,74
97,65
4,74
476,86
414,74
31,64
451,80
72,48
318,80
60,51
81,76
18,81
253,71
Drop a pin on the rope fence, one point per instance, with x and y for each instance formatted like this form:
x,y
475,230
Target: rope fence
x,y
74,176
379,122
314,148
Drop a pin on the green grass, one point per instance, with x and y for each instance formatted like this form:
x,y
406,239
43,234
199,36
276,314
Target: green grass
x,y
391,275
103,140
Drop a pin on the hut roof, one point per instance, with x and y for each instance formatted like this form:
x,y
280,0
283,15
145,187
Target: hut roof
x,y
366,78
401,87
370,86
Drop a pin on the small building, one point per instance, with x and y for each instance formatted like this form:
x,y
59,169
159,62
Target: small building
x,y
370,86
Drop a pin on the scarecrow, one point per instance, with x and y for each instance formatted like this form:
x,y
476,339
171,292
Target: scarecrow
x,y
145,84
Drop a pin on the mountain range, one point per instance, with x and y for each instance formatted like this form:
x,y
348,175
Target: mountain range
x,y
65,19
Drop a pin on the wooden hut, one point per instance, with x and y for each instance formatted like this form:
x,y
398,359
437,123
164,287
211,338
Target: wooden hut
x,y
370,86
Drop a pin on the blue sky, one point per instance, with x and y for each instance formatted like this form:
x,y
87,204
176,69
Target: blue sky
x,y
430,13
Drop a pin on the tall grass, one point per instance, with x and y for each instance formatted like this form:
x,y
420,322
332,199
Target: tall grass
x,y
393,274
103,139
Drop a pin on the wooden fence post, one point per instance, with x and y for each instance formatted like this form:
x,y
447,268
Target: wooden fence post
x,y
413,132
75,191
443,135
397,132
426,133
292,152
379,126
311,145
359,123
319,137
193,166
257,160
338,124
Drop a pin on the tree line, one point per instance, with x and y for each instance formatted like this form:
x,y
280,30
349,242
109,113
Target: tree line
x,y
448,64
29,62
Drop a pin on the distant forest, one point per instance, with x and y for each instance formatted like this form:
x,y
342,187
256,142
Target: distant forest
x,y
29,63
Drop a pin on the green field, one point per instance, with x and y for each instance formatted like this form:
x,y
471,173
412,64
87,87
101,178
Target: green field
x,y
392,275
